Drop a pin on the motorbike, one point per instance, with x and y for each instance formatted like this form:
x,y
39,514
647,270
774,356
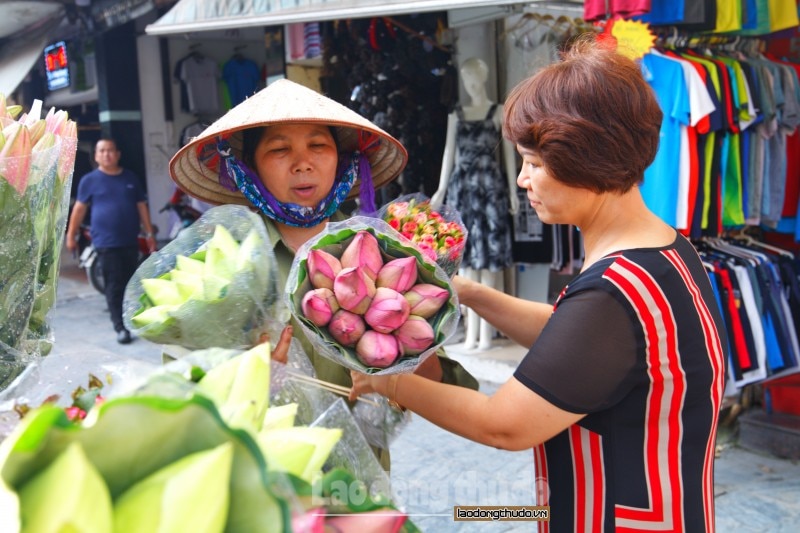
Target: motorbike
x,y
90,261
185,214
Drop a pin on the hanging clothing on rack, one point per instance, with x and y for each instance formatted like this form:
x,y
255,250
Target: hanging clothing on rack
x,y
739,157
201,74
192,130
762,317
242,76
660,187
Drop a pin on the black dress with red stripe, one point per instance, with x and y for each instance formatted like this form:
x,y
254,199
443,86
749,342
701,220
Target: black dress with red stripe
x,y
637,343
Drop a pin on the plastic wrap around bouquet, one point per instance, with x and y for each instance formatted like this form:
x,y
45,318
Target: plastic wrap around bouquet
x,y
199,441
441,235
295,382
37,158
369,299
213,286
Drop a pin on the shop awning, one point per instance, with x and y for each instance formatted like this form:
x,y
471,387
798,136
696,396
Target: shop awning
x,y
206,15
24,27
15,66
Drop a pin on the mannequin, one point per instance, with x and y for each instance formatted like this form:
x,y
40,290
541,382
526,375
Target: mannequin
x,y
482,191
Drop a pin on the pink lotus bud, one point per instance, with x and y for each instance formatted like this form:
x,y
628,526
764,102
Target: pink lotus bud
x,y
322,268
426,299
388,310
363,251
398,274
319,305
377,349
354,290
42,156
346,328
415,335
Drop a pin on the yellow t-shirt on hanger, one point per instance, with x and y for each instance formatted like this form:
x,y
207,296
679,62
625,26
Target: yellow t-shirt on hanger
x,y
729,16
782,14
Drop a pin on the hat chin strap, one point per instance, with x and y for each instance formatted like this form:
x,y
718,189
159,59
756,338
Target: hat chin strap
x,y
232,170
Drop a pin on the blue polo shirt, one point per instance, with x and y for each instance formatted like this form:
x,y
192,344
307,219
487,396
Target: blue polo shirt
x,y
114,215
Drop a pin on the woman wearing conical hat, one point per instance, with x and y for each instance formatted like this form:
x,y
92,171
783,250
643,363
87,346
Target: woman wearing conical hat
x,y
295,156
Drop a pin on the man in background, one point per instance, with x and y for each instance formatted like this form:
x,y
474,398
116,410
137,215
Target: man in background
x,y
118,213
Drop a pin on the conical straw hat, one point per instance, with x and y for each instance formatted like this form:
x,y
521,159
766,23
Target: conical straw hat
x,y
195,168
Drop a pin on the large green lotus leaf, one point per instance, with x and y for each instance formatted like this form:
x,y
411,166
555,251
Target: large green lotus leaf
x,y
69,494
197,482
127,439
277,443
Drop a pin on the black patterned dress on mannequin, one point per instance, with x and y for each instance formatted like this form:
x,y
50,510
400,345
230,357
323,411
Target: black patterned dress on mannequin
x,y
478,189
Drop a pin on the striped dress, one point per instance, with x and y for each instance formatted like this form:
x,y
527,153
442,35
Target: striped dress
x,y
637,343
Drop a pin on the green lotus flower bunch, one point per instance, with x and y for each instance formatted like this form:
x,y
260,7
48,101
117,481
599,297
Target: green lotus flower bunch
x,y
37,158
214,286
240,388
177,461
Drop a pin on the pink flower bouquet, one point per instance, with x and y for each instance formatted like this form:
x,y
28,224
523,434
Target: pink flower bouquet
x,y
37,155
440,235
369,299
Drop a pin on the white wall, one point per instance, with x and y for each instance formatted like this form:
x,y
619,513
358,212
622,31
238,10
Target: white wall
x,y
161,137
157,133
478,40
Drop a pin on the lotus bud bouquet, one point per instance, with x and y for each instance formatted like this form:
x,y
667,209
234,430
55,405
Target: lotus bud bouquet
x,y
37,156
213,286
441,235
369,299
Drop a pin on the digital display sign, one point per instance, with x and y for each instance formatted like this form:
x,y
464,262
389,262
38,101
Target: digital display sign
x,y
56,65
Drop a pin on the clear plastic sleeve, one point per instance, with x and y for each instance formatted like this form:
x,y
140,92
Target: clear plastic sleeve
x,y
442,232
379,423
249,306
334,240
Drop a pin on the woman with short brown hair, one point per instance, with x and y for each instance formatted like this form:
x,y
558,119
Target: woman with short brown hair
x,y
620,390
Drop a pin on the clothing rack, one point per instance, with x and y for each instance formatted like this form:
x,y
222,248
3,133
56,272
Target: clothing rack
x,y
674,38
758,295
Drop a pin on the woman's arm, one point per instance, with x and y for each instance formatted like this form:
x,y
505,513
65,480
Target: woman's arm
x,y
514,418
518,319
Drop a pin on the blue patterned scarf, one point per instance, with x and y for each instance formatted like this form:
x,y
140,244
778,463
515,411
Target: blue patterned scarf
x,y
235,175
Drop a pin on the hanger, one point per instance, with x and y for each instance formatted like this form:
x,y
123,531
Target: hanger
x,y
744,237
237,52
672,39
194,50
729,251
523,21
